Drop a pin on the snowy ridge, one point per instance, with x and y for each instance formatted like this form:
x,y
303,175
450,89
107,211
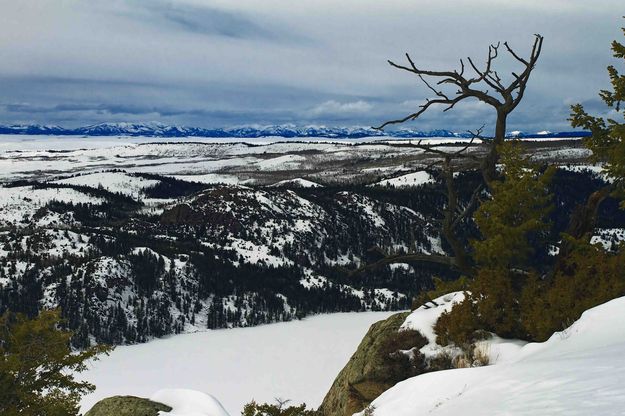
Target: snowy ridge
x,y
296,183
224,256
112,181
579,371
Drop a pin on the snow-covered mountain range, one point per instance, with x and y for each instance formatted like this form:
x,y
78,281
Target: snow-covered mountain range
x,y
155,129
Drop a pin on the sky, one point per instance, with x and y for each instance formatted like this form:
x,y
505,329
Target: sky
x,y
225,63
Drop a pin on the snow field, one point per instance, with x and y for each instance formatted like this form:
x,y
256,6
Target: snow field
x,y
295,360
118,182
413,179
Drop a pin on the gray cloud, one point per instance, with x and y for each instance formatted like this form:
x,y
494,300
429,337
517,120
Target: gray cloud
x,y
220,63
203,20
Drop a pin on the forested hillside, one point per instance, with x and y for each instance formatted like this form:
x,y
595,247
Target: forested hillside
x,y
140,256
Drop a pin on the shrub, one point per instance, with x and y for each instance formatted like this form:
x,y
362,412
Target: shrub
x,y
398,363
457,326
442,361
402,340
278,409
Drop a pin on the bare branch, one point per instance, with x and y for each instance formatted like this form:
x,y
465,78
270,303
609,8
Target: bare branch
x,y
517,57
407,258
424,107
469,208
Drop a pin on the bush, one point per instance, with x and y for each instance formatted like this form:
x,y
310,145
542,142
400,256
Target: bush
x,y
457,326
278,409
399,364
587,277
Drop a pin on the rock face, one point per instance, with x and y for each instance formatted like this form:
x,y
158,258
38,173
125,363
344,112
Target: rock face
x,y
375,367
127,406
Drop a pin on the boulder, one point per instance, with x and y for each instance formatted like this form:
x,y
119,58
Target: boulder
x,y
377,365
127,406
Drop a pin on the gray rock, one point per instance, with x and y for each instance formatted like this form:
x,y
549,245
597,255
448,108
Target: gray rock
x,y
375,367
127,406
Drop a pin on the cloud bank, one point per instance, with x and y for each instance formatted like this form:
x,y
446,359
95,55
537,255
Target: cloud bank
x,y
221,63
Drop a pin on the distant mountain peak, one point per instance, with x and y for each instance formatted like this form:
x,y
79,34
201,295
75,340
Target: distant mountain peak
x,y
158,129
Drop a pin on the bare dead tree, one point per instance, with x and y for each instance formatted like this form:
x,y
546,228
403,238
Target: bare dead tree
x,y
449,88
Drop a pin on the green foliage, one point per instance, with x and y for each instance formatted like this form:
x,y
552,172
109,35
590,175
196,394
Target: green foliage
x,y
508,296
513,223
457,326
589,277
278,409
514,217
37,366
608,134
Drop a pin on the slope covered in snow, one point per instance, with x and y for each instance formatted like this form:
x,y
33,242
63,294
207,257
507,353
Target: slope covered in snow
x,y
579,371
409,180
296,183
120,182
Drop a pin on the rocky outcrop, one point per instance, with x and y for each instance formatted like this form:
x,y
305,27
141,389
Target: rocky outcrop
x,y
381,360
127,406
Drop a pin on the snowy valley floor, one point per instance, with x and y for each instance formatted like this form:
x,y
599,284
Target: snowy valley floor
x,y
579,371
295,360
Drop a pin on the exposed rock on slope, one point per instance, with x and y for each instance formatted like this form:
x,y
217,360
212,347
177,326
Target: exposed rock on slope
x,y
376,366
127,406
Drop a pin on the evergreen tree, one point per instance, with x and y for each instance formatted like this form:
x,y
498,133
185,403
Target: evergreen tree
x,y
513,225
514,219
37,366
608,134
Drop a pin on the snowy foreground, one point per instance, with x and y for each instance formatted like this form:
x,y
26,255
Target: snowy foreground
x,y
294,360
579,371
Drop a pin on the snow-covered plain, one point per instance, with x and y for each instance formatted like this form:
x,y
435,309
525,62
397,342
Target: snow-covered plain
x,y
221,160
579,371
295,360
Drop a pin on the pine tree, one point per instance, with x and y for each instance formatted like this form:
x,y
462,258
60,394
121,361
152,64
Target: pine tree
x,y
37,366
608,135
514,219
512,223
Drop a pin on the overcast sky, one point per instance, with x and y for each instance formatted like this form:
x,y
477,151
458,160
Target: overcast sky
x,y
220,63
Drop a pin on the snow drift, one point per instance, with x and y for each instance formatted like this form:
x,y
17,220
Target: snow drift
x,y
579,371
